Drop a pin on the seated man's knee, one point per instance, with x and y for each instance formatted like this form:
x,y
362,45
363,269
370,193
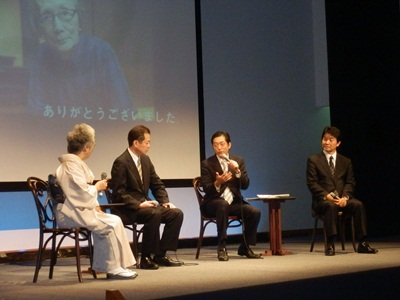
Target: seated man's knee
x,y
256,212
178,213
155,214
330,206
358,204
223,206
253,211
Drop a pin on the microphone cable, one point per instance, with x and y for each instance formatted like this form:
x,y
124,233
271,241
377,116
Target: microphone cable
x,y
241,205
242,212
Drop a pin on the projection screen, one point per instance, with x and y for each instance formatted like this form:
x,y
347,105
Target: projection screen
x,y
110,64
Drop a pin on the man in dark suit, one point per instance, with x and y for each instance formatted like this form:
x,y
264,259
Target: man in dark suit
x,y
330,179
223,176
133,174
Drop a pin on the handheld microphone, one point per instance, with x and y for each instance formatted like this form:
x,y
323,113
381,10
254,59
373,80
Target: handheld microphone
x,y
334,195
103,176
226,158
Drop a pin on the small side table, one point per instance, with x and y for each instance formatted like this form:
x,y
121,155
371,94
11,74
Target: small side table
x,y
275,223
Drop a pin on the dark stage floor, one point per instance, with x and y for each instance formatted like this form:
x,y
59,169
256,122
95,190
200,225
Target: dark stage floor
x,y
299,275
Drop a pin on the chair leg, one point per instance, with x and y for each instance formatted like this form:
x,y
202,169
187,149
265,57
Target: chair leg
x,y
53,255
39,259
78,255
342,225
313,234
353,238
90,245
200,240
135,244
341,222
326,239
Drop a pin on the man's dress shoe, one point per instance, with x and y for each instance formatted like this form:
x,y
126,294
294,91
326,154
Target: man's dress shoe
x,y
127,274
148,264
166,261
330,250
248,253
365,248
222,254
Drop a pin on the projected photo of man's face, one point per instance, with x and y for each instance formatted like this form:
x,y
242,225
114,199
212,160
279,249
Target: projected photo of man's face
x,y
73,73
107,63
58,23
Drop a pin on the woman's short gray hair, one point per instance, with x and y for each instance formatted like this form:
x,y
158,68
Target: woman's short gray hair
x,y
80,136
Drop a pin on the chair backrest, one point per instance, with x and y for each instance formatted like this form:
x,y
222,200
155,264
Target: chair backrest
x,y
109,196
55,190
113,210
198,189
45,204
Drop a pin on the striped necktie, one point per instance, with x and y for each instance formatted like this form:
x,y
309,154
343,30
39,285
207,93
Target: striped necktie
x,y
331,165
139,168
227,194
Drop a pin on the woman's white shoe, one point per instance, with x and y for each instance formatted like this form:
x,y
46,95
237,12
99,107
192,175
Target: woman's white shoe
x,y
126,274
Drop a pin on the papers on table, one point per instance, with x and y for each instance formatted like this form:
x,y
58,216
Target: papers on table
x,y
274,196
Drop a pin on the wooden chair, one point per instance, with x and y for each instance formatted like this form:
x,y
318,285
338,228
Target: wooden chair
x,y
133,227
341,225
204,221
46,208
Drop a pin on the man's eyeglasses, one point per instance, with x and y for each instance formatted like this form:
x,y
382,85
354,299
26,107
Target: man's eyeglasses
x,y
64,15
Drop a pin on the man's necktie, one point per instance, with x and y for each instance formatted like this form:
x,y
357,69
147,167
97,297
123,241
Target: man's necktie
x,y
228,196
331,165
139,167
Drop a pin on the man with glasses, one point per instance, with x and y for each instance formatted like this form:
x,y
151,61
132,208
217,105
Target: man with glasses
x,y
71,70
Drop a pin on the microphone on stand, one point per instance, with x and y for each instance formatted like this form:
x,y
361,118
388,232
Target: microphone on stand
x,y
103,176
